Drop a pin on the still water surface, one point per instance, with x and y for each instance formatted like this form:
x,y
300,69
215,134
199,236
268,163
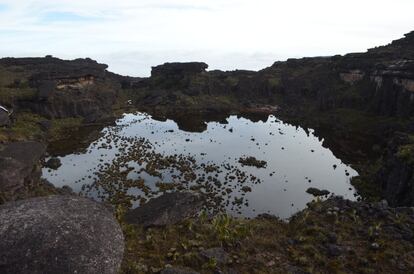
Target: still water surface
x,y
296,160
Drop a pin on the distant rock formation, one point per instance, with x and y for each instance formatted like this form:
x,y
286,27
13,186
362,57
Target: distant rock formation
x,y
61,88
59,234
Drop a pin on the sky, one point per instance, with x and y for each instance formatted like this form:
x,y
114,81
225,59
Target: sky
x,y
133,35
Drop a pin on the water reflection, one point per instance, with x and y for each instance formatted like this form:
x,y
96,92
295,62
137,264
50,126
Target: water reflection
x,y
296,160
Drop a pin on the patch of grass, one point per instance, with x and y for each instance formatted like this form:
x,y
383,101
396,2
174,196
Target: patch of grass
x,y
60,127
14,85
25,127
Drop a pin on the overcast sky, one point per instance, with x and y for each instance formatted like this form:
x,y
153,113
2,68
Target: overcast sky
x,y
133,35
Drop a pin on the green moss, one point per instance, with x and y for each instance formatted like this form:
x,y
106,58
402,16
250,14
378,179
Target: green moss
x,y
274,82
60,127
14,85
25,127
406,152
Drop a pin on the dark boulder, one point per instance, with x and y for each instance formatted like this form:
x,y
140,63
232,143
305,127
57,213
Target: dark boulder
x,y
4,118
167,209
53,163
19,166
396,176
217,254
59,234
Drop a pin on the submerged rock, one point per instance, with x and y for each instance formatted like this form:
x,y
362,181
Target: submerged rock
x,y
59,234
53,163
317,192
252,161
167,209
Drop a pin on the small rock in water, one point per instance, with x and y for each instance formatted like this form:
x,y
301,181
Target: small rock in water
x,y
53,163
317,192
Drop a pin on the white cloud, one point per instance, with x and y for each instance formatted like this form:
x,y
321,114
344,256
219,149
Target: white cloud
x,y
131,35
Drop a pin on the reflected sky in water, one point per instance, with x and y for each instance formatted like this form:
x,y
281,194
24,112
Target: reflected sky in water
x,y
296,159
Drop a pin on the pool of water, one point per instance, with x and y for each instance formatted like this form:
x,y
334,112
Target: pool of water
x,y
140,157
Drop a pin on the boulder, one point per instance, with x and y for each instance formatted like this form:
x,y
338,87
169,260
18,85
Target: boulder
x,y
59,234
19,165
53,163
217,253
4,118
167,209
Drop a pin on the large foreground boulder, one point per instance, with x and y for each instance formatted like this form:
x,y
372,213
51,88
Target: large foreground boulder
x,y
167,209
59,234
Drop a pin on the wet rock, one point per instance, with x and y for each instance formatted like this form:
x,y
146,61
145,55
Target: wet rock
x,y
252,161
59,234
167,209
178,270
19,166
217,253
53,163
396,175
317,192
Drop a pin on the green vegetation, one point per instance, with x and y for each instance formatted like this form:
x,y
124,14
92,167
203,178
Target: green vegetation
x,y
61,127
320,239
25,127
14,86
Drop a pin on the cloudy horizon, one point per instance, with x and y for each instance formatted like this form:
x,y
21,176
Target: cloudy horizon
x,y
131,36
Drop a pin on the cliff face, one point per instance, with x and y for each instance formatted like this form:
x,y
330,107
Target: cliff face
x,y
58,88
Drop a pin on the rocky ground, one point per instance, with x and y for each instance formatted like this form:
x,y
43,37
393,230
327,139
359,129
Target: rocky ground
x,y
361,104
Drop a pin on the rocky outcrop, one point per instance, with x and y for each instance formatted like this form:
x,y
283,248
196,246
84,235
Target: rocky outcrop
x,y
396,175
168,209
19,167
61,88
4,118
59,234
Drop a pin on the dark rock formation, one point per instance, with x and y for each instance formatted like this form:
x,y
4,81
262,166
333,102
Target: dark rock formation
x,y
169,208
176,76
19,166
396,176
59,234
63,88
53,163
217,254
4,118
174,69
317,192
